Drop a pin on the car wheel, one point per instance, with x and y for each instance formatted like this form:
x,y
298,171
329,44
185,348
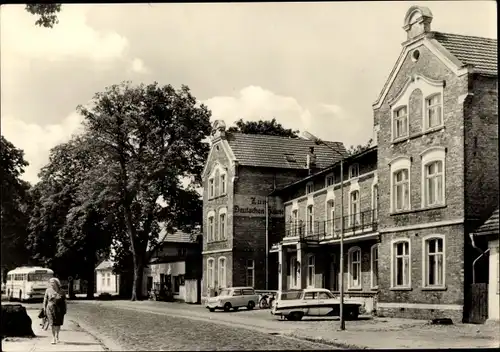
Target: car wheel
x,y
263,303
211,309
251,305
227,307
295,316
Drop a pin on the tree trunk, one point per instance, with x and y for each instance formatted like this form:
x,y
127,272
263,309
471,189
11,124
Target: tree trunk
x,y
90,282
71,290
137,283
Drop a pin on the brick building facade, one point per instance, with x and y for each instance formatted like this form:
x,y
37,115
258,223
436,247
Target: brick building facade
x,y
410,202
240,172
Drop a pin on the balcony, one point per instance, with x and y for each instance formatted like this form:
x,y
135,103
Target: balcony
x,y
354,224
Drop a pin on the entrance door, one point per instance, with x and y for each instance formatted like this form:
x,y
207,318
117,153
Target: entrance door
x,y
334,275
293,272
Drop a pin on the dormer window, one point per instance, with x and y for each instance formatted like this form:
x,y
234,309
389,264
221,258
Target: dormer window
x,y
400,121
433,111
353,171
211,188
309,188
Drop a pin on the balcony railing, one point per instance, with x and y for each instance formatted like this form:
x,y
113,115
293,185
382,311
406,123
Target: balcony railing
x,y
358,223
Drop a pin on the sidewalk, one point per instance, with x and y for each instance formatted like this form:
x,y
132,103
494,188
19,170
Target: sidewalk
x,y
402,333
72,338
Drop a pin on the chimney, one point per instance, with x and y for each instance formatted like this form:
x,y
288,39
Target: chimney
x,y
311,160
417,21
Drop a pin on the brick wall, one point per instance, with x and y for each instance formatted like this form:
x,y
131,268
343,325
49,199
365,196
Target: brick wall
x,y
481,148
229,270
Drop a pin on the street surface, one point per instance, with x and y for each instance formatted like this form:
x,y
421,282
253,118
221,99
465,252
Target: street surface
x,y
155,326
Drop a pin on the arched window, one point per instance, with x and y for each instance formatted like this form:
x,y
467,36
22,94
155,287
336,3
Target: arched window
x,y
354,209
433,111
375,201
354,268
400,122
211,227
310,220
401,264
330,217
434,261
433,176
210,273
222,272
311,272
223,224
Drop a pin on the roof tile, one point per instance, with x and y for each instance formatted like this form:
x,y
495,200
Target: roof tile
x,y
477,51
279,152
490,226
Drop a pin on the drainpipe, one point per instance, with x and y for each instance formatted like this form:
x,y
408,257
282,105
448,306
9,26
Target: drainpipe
x,y
267,242
471,235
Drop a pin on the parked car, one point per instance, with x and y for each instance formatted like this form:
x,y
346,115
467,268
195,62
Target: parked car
x,y
294,305
233,298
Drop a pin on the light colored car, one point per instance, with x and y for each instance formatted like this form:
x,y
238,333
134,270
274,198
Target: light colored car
x,y
295,304
233,298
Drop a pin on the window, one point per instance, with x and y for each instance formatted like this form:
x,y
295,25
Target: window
x,y
374,266
223,184
222,272
401,264
103,279
433,111
433,176
355,268
310,295
210,273
330,213
247,291
108,277
353,170
309,188
211,229
222,226
295,222
310,220
400,128
250,272
236,292
329,180
354,208
434,262
375,201
434,183
401,190
211,188
293,271
310,271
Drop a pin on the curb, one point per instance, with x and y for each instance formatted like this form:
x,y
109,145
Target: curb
x,y
323,341
106,343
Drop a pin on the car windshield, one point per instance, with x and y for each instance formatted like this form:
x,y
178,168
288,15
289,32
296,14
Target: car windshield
x,y
224,292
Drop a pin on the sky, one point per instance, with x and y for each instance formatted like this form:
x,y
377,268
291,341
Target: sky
x,y
313,66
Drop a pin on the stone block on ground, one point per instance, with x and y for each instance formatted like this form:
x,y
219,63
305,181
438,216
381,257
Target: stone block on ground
x,y
16,321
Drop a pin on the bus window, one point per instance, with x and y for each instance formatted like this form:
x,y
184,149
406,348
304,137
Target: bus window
x,y
39,277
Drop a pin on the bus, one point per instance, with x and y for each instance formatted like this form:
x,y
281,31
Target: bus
x,y
28,282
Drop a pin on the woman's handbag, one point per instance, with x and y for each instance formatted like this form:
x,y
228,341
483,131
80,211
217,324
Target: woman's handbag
x,y
41,315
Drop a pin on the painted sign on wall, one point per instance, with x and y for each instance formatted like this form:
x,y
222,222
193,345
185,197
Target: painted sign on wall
x,y
255,206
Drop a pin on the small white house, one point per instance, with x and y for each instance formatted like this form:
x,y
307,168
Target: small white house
x,y
106,280
490,232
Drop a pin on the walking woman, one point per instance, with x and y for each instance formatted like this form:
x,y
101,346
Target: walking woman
x,y
54,304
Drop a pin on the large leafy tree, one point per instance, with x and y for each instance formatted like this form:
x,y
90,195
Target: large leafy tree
x,y
151,137
69,229
267,127
15,206
47,13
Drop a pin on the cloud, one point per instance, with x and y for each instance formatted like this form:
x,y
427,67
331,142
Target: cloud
x,y
72,37
328,121
37,140
138,66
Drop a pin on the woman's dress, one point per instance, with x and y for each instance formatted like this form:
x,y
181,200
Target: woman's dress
x,y
55,307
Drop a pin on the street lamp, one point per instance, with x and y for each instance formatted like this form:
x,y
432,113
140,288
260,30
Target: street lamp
x,y
318,141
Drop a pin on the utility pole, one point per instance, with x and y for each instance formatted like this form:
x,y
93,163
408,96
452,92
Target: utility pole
x,y
316,140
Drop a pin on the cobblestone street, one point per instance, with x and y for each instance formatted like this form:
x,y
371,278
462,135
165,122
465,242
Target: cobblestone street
x,y
136,329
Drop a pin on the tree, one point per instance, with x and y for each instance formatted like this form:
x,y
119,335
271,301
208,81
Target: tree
x,y
359,148
47,13
150,137
15,204
267,127
69,229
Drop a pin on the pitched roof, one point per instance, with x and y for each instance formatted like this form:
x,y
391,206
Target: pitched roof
x,y
373,148
105,265
280,152
477,51
490,227
178,237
